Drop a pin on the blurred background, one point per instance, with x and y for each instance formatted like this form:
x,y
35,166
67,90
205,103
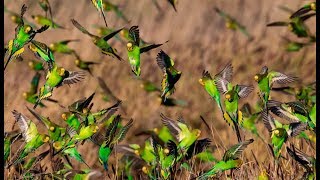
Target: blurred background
x,y
198,40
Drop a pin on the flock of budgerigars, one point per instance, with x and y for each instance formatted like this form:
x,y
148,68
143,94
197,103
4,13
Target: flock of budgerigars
x,y
171,149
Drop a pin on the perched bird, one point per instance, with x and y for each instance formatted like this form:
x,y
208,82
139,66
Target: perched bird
x,y
99,5
108,6
45,5
231,159
210,86
308,162
43,52
305,9
292,111
33,139
57,77
100,42
295,25
233,94
232,23
24,33
280,132
266,78
62,46
170,74
134,50
84,65
112,137
41,20
183,134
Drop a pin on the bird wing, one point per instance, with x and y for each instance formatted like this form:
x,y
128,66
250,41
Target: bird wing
x,y
296,128
235,151
109,36
268,120
163,60
27,127
226,72
280,78
74,77
122,133
134,35
172,125
222,84
244,91
81,28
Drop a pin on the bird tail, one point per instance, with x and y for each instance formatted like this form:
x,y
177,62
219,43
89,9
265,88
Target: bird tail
x,y
104,17
236,127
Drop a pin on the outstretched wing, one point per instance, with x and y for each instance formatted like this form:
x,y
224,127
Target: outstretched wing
x,y
280,78
81,28
226,72
109,36
235,151
222,84
171,124
244,91
27,127
163,60
134,35
122,133
74,77
268,120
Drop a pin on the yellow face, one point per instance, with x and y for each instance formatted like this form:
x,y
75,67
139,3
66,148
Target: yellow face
x,y
57,145
99,30
198,132
201,82
129,46
32,47
228,96
25,95
36,18
290,27
52,128
61,71
122,33
136,152
155,130
256,78
166,151
95,40
30,64
27,29
64,116
52,46
276,132
77,61
85,110
13,18
145,169
313,6
46,139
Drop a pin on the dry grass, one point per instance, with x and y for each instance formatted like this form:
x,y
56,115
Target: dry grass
x,y
198,40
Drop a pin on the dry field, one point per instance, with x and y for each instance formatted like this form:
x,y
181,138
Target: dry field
x,y
198,40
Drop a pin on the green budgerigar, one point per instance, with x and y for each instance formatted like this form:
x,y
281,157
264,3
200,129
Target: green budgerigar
x,y
24,33
45,5
42,51
55,78
100,42
231,160
84,65
41,20
266,79
305,9
210,86
134,50
62,46
108,6
233,94
170,74
33,139
36,65
99,5
280,132
232,23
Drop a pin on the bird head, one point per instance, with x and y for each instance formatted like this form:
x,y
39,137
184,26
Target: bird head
x,y
94,128
257,77
197,132
229,96
77,62
95,40
52,128
36,18
290,26
166,151
57,145
156,130
137,152
201,81
313,6
85,110
27,29
45,138
61,71
123,32
32,47
14,18
145,169
25,95
129,46
64,116
298,91
31,64
52,46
